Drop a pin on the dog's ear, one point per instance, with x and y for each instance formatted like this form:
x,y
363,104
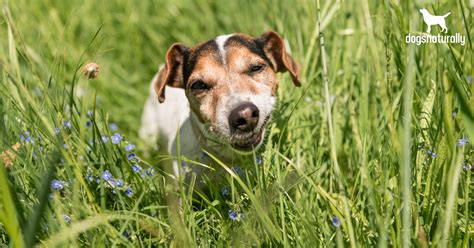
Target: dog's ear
x,y
172,73
274,49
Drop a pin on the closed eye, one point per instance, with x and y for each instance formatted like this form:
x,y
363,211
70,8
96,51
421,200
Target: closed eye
x,y
199,85
256,68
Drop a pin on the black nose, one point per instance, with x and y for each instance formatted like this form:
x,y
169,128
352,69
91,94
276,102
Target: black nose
x,y
244,118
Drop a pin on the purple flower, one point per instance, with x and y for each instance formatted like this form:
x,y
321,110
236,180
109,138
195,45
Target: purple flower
x,y
113,126
467,166
131,156
65,146
129,191
116,138
106,175
336,222
469,79
463,141
225,191
67,124
136,168
89,123
105,139
56,184
129,147
56,130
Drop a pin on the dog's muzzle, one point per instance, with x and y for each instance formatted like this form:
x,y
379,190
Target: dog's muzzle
x,y
243,121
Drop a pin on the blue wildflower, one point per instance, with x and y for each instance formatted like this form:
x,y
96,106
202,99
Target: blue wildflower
x,y
469,79
28,139
65,146
336,222
67,124
89,123
237,170
56,130
89,113
432,154
233,215
105,139
67,219
131,156
113,126
116,138
106,175
129,147
117,183
126,234
56,184
136,168
225,191
129,191
150,172
22,138
258,159
467,166
90,178
463,141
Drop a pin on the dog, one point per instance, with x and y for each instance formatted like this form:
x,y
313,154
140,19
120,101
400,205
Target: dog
x,y
434,20
215,98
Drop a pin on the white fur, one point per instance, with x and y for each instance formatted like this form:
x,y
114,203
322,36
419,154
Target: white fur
x,y
220,41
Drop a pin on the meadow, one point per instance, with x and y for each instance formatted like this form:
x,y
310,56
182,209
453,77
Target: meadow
x,y
375,148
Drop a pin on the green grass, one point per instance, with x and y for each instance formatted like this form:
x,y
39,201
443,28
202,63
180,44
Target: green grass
x,y
370,138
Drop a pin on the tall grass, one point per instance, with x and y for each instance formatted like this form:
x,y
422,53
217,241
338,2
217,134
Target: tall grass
x,y
369,152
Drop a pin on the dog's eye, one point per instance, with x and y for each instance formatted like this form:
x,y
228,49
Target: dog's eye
x,y
256,68
199,85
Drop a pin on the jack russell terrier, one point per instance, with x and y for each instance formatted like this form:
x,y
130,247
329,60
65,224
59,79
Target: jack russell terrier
x,y
434,20
219,95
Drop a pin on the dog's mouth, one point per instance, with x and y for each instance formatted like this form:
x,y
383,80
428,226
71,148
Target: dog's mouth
x,y
248,143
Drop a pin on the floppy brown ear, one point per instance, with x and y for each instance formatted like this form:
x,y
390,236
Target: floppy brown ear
x,y
274,49
172,72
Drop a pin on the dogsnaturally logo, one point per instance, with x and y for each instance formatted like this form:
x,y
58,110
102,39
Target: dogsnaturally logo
x,y
434,20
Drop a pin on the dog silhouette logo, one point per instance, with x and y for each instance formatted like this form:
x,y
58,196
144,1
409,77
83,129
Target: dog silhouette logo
x,y
431,20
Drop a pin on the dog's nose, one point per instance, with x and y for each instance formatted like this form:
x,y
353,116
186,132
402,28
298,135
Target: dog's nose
x,y
245,117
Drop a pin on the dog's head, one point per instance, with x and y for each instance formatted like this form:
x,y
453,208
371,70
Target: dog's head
x,y
424,11
230,84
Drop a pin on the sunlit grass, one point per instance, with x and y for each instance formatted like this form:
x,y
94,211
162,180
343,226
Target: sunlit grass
x,y
375,149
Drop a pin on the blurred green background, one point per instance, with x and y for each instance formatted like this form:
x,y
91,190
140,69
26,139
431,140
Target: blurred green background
x,y
374,149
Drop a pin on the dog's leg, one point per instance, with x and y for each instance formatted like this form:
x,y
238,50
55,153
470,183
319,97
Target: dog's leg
x,y
443,27
429,28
